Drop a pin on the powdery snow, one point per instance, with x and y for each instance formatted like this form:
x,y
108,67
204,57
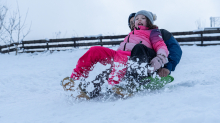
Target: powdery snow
x,y
30,91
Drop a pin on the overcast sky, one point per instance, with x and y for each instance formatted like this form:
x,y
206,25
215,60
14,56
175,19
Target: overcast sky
x,y
109,17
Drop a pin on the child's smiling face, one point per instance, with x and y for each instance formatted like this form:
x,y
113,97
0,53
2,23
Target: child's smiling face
x,y
140,20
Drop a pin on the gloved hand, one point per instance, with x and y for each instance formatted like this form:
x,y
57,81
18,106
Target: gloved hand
x,y
163,72
158,62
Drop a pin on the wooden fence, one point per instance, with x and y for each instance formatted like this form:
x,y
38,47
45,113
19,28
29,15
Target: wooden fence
x,y
184,38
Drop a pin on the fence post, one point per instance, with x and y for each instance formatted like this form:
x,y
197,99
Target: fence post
x,y
8,49
16,49
74,42
47,46
201,38
22,45
101,40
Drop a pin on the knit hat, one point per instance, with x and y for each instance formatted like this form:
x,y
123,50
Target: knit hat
x,y
152,17
129,18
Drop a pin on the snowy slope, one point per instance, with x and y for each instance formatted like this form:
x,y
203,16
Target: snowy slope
x,y
30,92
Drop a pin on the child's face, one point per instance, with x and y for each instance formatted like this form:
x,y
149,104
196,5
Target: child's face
x,y
140,20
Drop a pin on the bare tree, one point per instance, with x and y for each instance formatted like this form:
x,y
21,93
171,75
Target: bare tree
x,y
57,34
13,28
3,12
199,24
215,21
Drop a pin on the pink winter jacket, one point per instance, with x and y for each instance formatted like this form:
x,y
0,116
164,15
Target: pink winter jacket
x,y
149,37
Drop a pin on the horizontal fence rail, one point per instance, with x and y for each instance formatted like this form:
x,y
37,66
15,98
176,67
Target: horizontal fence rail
x,y
184,38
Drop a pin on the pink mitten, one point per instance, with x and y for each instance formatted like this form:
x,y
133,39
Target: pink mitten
x,y
158,62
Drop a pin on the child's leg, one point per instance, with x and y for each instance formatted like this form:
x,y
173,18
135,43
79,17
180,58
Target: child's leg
x,y
92,56
143,53
119,67
140,54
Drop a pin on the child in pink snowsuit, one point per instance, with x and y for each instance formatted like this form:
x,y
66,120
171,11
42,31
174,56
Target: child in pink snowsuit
x,y
145,32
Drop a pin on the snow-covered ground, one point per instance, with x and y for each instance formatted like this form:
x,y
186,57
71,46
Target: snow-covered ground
x,y
30,92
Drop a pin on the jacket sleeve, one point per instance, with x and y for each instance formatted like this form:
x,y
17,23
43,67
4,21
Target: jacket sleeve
x,y
158,43
175,52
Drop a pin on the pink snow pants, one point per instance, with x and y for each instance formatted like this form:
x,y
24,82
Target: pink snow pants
x,y
105,56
